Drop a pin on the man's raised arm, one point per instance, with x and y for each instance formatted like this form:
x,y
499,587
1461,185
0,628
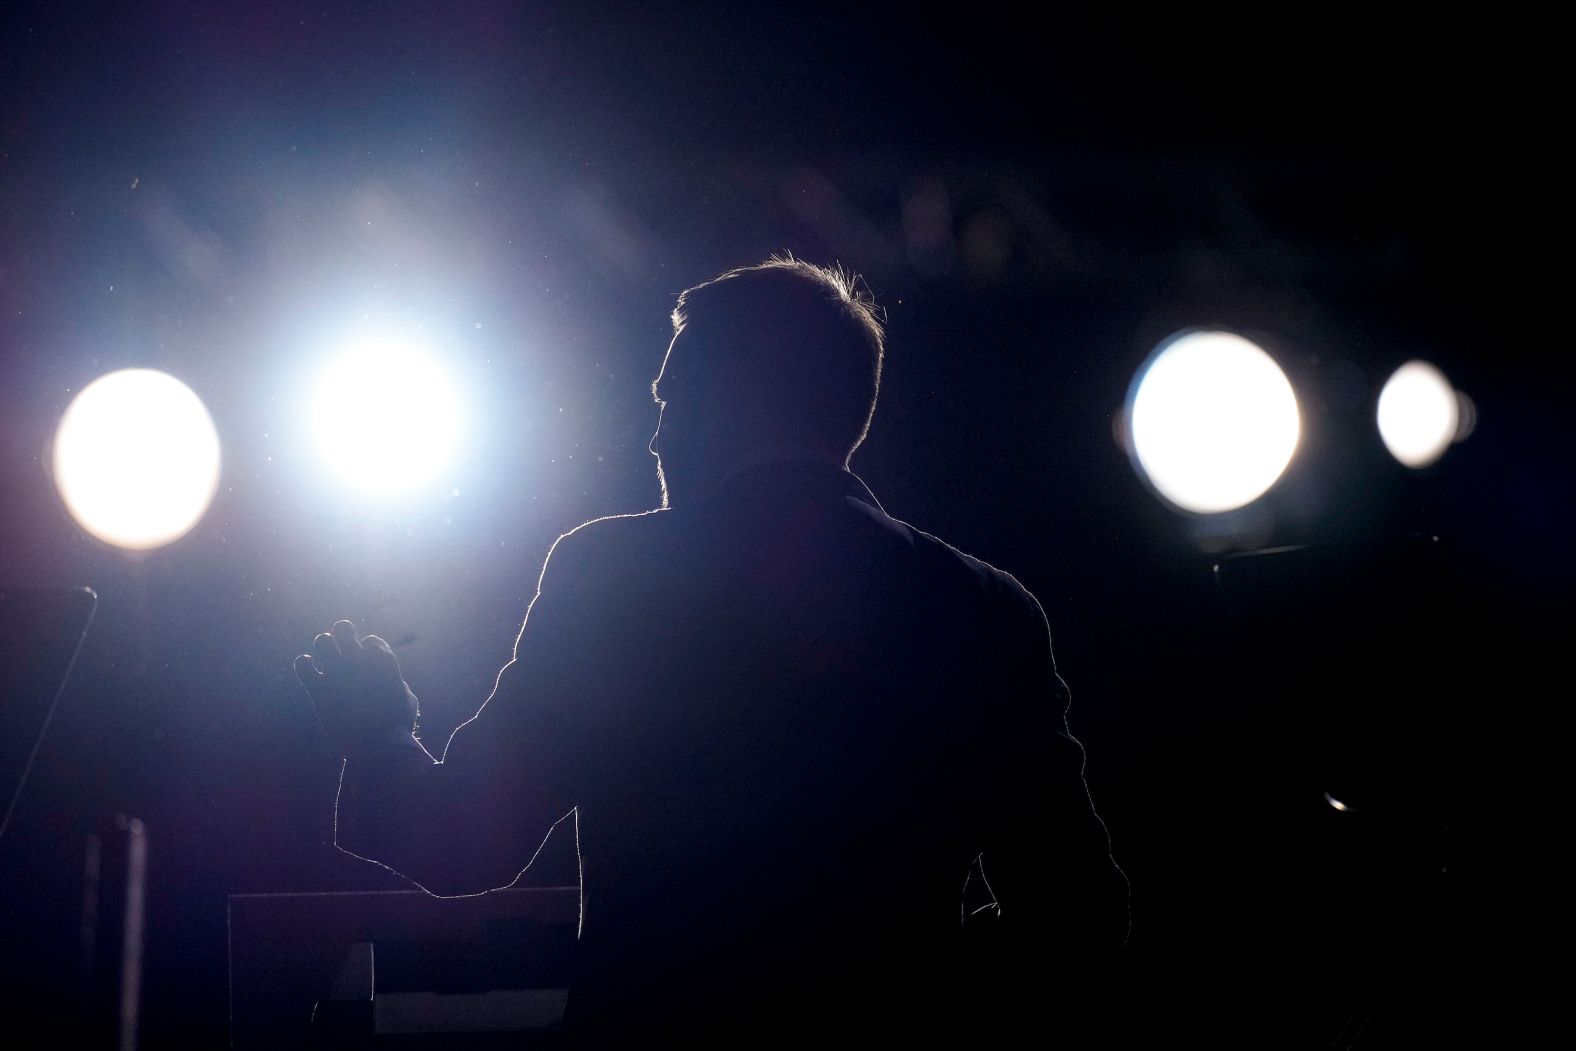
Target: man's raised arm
x,y
474,819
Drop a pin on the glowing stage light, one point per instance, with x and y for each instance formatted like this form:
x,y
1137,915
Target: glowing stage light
x,y
386,416
1212,421
1419,414
136,458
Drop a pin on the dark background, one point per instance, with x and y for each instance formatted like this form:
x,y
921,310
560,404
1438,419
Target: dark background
x,y
1036,202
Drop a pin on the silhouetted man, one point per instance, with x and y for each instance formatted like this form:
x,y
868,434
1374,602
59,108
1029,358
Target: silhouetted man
x,y
808,752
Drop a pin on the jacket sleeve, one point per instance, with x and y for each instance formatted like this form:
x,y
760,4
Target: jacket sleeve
x,y
1055,903
475,819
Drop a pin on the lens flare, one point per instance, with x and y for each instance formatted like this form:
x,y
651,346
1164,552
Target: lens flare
x,y
1419,414
136,459
386,416
1212,421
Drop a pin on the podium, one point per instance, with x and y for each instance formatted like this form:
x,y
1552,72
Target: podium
x,y
401,969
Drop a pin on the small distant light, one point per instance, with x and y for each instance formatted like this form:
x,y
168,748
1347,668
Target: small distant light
x,y
136,459
1212,421
386,416
1419,414
1337,804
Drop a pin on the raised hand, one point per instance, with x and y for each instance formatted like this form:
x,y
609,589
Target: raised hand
x,y
355,682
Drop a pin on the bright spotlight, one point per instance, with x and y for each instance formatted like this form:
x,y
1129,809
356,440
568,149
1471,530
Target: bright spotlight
x,y
136,458
1419,414
1212,421
386,416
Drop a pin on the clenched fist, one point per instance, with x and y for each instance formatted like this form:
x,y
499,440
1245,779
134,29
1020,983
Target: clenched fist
x,y
355,682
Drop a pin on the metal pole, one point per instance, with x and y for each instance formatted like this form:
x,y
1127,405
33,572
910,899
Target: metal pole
x,y
131,946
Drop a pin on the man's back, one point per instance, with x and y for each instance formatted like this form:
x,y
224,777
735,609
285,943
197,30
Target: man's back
x,y
792,724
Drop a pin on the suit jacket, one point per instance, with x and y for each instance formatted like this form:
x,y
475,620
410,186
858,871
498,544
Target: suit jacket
x,y
811,755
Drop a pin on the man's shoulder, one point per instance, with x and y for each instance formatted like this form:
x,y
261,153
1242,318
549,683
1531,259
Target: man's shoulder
x,y
607,549
590,545
997,586
614,528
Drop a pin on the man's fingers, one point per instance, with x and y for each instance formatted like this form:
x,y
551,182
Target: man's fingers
x,y
325,649
380,653
307,671
340,651
348,638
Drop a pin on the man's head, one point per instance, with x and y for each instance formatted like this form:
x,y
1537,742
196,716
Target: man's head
x,y
782,359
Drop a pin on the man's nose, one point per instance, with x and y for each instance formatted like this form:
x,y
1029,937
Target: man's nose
x,y
651,446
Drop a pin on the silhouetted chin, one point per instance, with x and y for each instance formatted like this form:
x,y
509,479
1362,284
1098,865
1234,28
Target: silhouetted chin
x,y
662,483
678,484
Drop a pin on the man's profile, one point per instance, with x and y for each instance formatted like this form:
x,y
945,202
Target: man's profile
x,y
811,755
